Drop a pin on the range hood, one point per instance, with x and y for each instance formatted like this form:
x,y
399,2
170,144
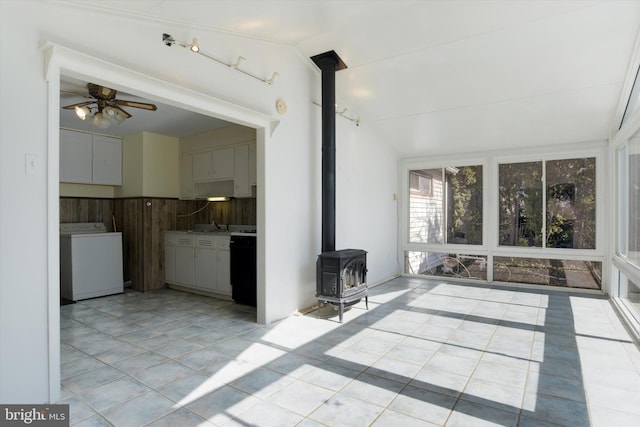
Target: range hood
x,y
205,190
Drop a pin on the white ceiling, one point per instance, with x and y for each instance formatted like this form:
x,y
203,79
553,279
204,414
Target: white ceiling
x,y
166,120
443,76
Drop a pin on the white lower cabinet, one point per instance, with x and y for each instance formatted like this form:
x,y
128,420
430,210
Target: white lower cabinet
x,y
185,274
170,257
198,262
205,263
223,266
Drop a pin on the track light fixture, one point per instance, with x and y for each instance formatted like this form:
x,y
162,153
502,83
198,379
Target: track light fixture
x,y
194,47
343,114
355,120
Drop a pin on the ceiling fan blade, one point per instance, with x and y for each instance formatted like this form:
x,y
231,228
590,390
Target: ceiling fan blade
x,y
81,95
79,104
135,104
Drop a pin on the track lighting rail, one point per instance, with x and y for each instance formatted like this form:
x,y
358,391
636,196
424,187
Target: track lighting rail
x,y
343,113
194,47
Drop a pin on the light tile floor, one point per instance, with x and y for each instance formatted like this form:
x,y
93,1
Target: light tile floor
x,y
425,353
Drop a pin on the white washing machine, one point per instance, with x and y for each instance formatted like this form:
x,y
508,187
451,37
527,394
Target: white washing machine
x,y
90,261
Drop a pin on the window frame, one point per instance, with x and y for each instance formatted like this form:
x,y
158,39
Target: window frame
x,y
620,264
596,151
545,198
404,232
489,160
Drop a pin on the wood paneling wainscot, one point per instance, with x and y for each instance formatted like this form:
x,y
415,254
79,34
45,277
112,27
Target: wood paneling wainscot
x,y
142,222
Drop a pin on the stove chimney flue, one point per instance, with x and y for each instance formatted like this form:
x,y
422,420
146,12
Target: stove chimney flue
x,y
328,62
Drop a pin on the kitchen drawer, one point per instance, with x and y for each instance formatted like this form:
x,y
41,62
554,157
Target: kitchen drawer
x,y
184,241
222,243
170,239
207,242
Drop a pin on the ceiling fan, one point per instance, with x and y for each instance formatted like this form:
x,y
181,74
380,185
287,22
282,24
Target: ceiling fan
x,y
105,107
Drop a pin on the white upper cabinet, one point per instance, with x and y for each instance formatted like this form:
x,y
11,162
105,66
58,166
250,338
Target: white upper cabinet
x,y
107,160
90,159
253,172
223,163
202,166
241,186
186,177
76,154
213,165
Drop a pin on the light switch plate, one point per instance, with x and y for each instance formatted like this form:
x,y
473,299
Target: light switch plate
x,y
32,164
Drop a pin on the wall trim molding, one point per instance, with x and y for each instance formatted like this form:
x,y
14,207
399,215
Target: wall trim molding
x,y
60,60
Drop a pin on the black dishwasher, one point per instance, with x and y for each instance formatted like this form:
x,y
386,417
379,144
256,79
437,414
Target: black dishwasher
x,y
243,267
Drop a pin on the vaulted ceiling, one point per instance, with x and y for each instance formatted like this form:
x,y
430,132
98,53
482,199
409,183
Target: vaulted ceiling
x,y
447,76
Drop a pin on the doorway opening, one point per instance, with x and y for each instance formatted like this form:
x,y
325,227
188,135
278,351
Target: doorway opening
x,y
62,61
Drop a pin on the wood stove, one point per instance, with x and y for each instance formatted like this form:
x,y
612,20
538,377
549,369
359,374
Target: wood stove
x,y
342,278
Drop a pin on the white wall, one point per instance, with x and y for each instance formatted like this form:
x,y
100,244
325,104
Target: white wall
x,y
289,176
86,190
160,165
132,167
366,193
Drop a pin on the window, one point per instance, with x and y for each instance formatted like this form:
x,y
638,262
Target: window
x,y
634,204
550,272
629,202
420,183
445,264
445,205
542,217
569,205
629,292
520,204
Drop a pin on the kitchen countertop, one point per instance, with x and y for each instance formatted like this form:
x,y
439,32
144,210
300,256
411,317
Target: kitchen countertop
x,y
200,233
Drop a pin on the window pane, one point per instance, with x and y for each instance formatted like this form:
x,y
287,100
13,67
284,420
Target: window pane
x,y
571,203
520,204
622,209
445,205
450,265
426,206
630,294
634,202
553,272
464,205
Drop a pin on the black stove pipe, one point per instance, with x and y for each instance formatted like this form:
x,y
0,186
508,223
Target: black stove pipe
x,y
329,63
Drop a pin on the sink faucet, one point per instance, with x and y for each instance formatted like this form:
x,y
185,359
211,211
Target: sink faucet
x,y
213,222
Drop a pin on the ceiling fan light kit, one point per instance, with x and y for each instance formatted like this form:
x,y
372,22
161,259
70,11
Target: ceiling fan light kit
x,y
194,47
101,121
105,106
82,112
